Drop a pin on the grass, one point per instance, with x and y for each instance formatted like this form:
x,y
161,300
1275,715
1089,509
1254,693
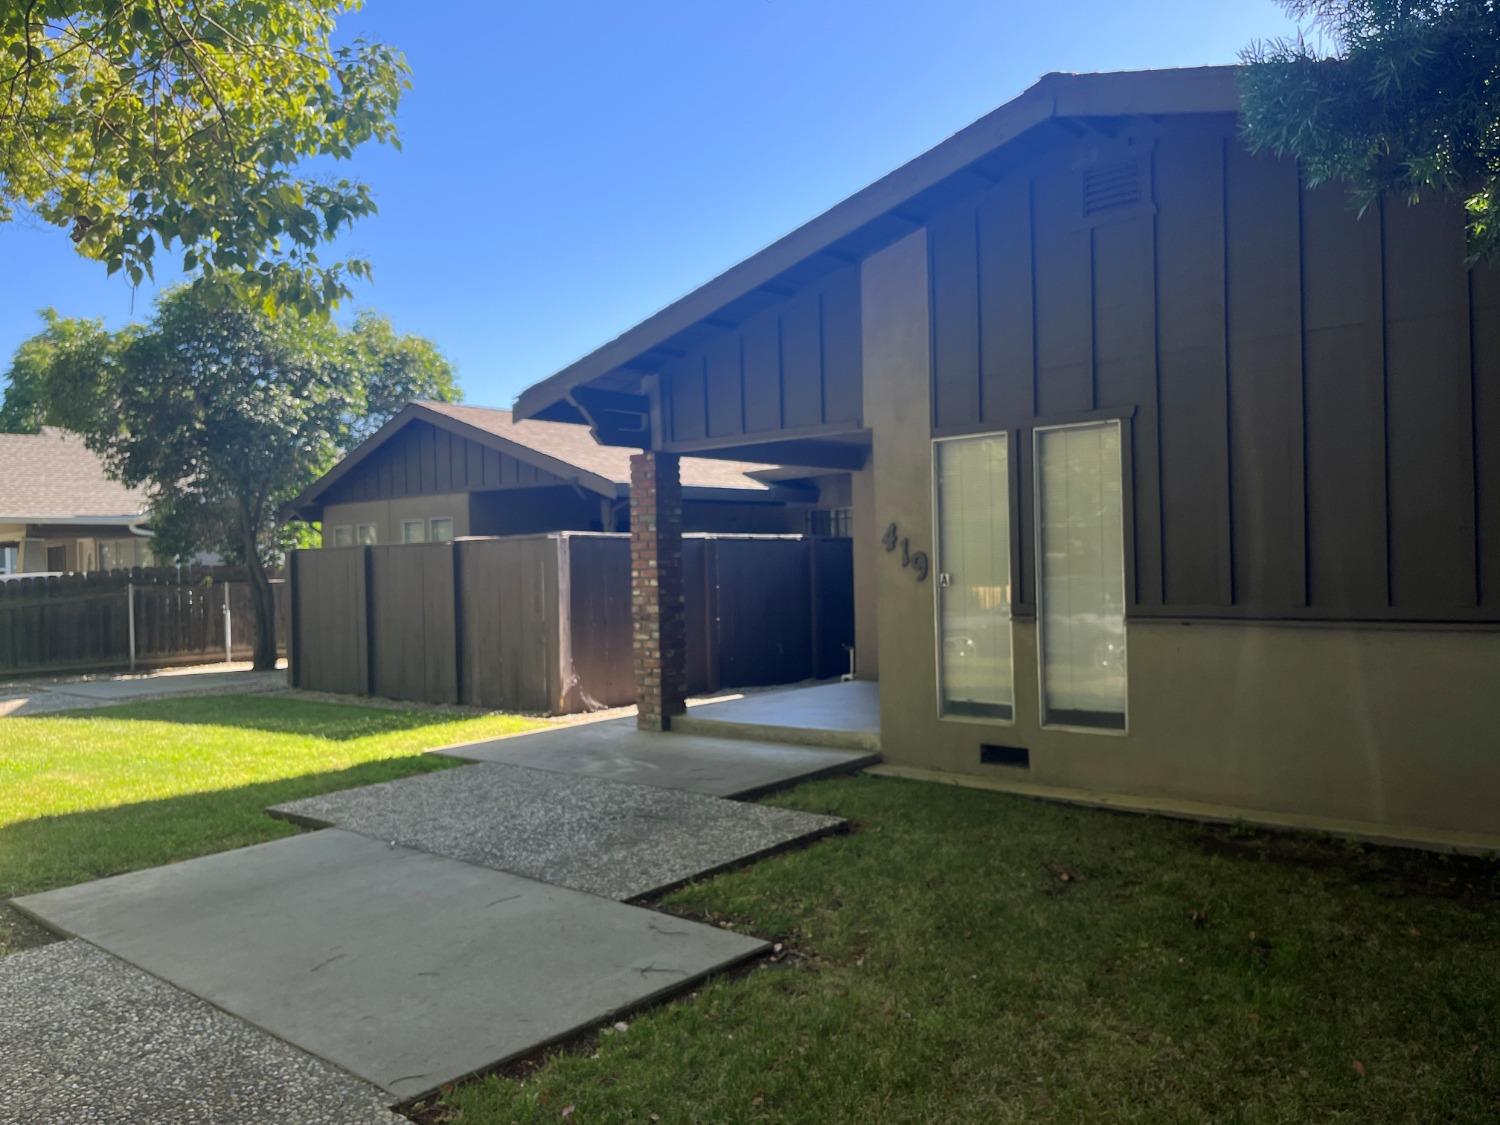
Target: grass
x,y
969,956
98,792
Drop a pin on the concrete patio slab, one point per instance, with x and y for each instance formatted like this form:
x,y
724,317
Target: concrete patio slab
x,y
607,838
408,970
840,715
615,750
89,1040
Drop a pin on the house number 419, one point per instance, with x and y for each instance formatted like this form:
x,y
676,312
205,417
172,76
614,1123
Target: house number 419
x,y
916,560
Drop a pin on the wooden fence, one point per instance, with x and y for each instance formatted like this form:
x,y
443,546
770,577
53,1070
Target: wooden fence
x,y
542,622
123,619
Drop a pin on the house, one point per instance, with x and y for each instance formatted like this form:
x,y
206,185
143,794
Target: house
x,y
1175,483
60,512
440,470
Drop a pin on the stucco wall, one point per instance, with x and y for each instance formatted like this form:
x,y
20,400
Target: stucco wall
x,y
1396,726
866,552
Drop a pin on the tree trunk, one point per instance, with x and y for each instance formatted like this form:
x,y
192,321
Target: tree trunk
x,y
262,599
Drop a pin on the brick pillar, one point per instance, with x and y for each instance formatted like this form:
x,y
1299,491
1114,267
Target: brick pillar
x,y
657,611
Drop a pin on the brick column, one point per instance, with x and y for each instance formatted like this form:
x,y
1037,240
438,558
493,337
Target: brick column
x,y
657,612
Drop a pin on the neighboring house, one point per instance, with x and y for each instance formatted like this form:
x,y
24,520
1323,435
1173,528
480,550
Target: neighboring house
x,y
59,512
437,470
1206,466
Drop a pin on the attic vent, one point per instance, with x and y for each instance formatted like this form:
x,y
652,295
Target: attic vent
x,y
1112,186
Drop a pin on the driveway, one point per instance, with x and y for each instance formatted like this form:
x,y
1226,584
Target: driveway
x,y
66,693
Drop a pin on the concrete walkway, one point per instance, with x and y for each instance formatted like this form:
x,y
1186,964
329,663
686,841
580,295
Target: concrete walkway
x,y
448,923
614,750
20,698
841,715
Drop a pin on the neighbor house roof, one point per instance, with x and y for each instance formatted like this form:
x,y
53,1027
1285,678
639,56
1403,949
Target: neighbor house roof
x,y
574,445
52,477
879,214
563,449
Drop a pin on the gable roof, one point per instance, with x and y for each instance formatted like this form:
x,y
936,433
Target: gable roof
x,y
52,477
879,214
562,449
573,444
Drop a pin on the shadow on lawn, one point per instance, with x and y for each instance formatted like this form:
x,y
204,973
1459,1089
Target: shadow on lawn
x,y
269,713
57,851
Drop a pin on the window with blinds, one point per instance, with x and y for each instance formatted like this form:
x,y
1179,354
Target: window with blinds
x,y
1081,575
972,493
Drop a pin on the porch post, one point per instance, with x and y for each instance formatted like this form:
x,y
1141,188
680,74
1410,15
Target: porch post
x,y
656,598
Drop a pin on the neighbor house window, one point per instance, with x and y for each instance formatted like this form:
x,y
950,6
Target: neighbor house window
x,y
1081,579
364,534
971,479
343,536
442,529
413,531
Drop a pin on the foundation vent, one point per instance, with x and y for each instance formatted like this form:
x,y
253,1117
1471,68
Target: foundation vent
x,y
1016,757
1113,186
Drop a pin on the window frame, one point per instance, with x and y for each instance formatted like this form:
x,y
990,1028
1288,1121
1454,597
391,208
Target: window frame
x,y
432,523
347,529
1039,593
1012,469
417,522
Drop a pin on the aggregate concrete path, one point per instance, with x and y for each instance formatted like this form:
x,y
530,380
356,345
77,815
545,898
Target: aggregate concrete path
x,y
615,750
607,838
406,969
90,1040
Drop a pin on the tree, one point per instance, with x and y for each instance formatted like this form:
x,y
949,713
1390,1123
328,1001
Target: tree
x,y
67,351
225,411
140,124
1406,102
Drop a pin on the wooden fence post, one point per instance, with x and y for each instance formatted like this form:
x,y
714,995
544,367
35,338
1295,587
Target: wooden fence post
x,y
130,617
292,663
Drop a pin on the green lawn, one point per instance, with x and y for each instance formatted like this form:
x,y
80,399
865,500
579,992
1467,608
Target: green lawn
x,y
968,956
960,956
97,792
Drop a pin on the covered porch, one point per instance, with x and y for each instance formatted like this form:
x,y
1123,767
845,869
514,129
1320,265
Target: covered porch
x,y
840,715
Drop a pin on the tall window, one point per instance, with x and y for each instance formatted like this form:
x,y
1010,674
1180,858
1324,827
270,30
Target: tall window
x,y
972,481
1081,564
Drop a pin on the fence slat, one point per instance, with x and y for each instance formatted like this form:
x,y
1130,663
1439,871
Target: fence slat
x,y
83,622
499,623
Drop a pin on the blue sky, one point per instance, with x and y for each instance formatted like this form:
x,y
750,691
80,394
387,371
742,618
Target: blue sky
x,y
569,167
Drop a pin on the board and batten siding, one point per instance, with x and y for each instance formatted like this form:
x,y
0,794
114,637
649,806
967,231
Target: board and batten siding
x,y
421,459
1313,398
793,366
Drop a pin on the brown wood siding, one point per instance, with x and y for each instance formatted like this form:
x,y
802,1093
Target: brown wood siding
x,y
1484,322
1313,398
792,366
421,460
